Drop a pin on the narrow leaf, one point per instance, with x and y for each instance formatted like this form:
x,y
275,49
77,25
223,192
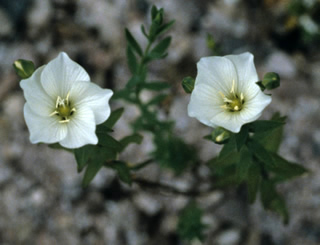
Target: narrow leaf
x,y
143,30
91,171
273,201
132,60
242,137
159,50
134,138
253,181
123,171
158,99
244,164
190,225
285,170
132,42
114,117
82,156
165,27
155,86
261,153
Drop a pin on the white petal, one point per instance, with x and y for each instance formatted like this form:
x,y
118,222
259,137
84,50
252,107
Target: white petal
x,y
60,74
81,129
37,98
205,103
43,129
246,70
253,108
231,121
90,94
218,72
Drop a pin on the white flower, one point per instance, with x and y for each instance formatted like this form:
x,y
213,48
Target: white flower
x,y
225,92
62,105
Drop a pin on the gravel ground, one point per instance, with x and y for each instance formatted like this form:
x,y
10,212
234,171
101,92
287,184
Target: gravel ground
x,y
41,199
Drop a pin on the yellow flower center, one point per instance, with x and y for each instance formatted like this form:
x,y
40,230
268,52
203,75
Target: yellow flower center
x,y
63,109
233,102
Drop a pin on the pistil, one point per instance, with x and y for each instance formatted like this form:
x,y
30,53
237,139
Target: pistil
x,y
63,109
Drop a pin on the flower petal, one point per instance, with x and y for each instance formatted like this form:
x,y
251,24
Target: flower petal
x,y
37,98
205,103
59,75
90,94
231,121
43,129
246,70
253,108
81,129
217,72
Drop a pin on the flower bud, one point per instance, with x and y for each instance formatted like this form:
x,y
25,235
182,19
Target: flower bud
x,y
271,80
23,68
220,135
188,84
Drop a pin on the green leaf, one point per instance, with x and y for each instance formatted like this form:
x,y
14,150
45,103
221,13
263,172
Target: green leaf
x,y
24,68
272,200
228,148
143,30
265,125
99,156
91,171
189,225
123,171
157,99
285,170
154,12
109,141
82,156
165,27
188,84
133,43
113,118
132,60
242,137
244,165
271,139
159,50
155,86
172,152
261,153
253,181
134,138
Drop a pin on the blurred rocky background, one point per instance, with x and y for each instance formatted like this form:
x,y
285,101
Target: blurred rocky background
x,y
41,199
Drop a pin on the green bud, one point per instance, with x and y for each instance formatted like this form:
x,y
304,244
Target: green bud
x,y
23,68
188,84
211,43
159,17
271,80
220,135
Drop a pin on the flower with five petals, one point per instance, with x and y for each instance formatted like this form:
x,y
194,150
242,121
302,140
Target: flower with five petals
x,y
225,92
62,105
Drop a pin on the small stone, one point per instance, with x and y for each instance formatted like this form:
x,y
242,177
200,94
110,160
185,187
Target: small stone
x,y
282,64
229,237
147,203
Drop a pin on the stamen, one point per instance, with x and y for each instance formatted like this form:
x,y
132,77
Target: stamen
x,y
54,113
64,121
63,109
233,87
